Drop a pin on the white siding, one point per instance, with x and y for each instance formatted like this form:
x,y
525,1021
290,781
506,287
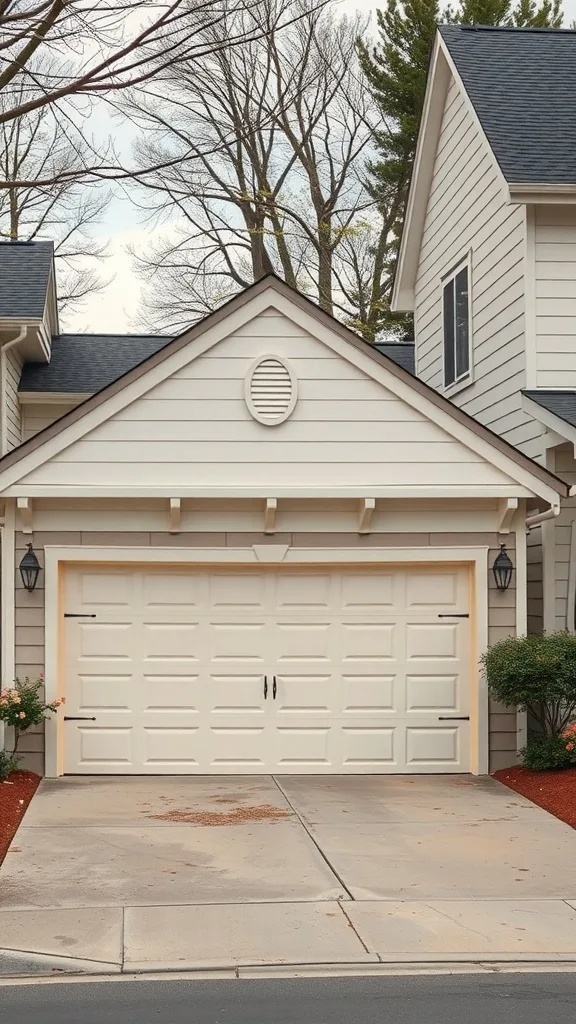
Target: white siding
x,y
555,296
37,416
13,363
347,429
468,215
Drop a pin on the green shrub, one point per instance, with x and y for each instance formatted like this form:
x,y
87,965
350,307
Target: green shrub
x,y
8,763
547,753
536,673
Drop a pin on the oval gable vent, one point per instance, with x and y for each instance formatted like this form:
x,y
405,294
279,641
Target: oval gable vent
x,y
271,390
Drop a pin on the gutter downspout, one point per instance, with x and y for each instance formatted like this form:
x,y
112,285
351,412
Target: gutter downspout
x,y
542,517
3,408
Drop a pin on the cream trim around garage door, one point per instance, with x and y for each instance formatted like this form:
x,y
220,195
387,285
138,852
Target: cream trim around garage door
x,y
56,559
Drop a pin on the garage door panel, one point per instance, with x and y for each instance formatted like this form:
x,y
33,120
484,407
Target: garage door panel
x,y
370,592
303,642
427,641
239,747
105,746
238,692
363,694
107,691
369,747
106,588
171,693
319,593
304,693
301,748
170,746
174,591
175,675
240,641
377,642
432,693
106,640
438,747
171,641
238,591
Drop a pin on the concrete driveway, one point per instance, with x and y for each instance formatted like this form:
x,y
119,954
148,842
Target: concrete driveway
x,y
346,861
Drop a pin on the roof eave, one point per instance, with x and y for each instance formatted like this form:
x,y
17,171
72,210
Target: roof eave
x,y
529,192
442,68
402,300
549,419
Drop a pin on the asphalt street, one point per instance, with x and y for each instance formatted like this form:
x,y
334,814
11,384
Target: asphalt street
x,y
465,999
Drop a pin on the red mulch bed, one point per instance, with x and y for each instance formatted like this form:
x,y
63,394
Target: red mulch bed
x,y
16,793
554,791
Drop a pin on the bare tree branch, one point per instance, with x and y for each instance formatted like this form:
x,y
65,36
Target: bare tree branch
x,y
261,153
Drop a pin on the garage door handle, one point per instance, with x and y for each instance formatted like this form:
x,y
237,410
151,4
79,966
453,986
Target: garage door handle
x,y
453,718
265,687
454,615
80,718
274,687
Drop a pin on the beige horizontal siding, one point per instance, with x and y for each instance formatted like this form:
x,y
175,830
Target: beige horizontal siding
x,y
555,300
195,425
468,215
38,415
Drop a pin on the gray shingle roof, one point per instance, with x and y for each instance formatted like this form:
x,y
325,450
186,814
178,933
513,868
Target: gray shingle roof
x,y
85,363
401,352
522,83
560,403
24,274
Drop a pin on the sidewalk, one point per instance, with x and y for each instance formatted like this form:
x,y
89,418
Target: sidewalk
x,y
207,937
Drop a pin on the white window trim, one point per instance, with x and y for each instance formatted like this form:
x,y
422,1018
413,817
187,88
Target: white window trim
x,y
476,558
465,379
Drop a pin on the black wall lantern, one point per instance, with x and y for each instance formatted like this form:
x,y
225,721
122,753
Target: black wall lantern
x,y
502,569
29,569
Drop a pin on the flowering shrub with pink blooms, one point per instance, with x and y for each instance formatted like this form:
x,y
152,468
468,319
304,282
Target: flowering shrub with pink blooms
x,y
22,706
569,738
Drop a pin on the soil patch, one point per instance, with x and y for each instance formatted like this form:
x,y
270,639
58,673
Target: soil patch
x,y
260,812
16,793
555,791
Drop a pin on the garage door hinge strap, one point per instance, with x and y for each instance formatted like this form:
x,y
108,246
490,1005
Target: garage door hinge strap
x,y
79,615
454,615
453,718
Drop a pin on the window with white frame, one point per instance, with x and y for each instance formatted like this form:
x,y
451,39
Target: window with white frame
x,y
456,317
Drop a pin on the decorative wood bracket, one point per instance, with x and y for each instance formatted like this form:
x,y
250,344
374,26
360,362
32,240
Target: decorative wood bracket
x,y
506,509
25,509
367,506
270,515
175,514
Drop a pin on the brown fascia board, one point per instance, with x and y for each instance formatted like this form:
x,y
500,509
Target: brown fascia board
x,y
310,307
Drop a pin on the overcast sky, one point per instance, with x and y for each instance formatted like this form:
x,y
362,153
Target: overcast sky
x,y
113,311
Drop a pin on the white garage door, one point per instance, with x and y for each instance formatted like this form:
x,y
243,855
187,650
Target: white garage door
x,y
171,671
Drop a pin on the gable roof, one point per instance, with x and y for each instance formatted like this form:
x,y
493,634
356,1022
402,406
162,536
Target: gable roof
x,y
522,84
25,269
508,78
85,363
57,430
